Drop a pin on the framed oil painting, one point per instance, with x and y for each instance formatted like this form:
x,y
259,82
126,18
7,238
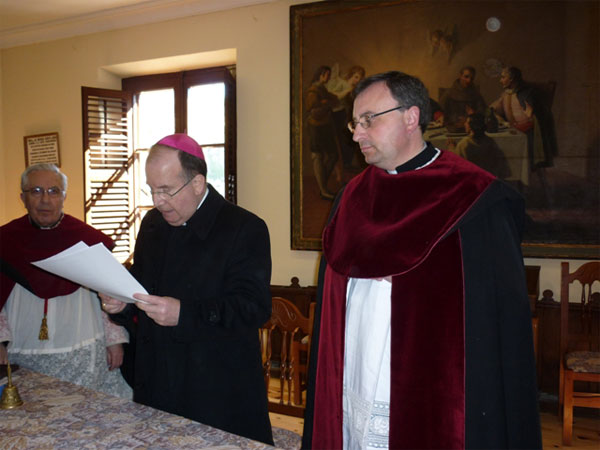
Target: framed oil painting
x,y
554,47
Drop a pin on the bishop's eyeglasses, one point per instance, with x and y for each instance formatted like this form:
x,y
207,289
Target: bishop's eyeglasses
x,y
365,121
164,195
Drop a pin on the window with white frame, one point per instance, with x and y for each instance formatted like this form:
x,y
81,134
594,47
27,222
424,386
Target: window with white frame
x,y
120,126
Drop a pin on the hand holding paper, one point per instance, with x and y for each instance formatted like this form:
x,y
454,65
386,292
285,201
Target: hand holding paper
x,y
95,268
111,305
163,310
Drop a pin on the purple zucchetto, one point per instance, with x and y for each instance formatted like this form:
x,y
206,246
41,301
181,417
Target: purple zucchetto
x,y
183,142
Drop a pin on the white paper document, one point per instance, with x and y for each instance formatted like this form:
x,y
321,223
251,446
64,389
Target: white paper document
x,y
95,268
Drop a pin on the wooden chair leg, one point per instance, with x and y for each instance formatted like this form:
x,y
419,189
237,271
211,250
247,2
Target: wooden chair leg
x,y
295,352
568,408
284,368
561,389
265,342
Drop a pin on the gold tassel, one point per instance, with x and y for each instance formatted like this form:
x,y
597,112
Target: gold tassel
x,y
43,336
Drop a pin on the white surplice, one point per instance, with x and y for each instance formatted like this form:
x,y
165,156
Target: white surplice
x,y
79,332
366,404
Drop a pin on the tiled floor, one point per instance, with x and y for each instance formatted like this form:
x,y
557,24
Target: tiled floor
x,y
586,431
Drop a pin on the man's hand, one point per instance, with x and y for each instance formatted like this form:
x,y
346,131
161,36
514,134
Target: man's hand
x,y
111,305
3,354
114,356
163,310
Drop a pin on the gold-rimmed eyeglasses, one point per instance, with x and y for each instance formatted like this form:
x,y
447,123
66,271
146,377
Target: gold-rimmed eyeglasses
x,y
365,121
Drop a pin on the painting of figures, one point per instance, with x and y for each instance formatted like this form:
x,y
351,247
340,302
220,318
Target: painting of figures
x,y
514,87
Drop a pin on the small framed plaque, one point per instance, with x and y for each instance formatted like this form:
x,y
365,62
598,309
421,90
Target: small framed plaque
x,y
42,148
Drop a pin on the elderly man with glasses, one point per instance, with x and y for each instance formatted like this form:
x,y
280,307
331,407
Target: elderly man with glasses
x,y
422,333
47,323
206,264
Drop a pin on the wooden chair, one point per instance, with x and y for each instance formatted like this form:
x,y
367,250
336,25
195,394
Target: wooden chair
x,y
579,353
301,296
535,327
285,339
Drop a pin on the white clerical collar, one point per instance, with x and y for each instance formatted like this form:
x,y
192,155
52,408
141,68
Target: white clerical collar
x,y
203,198
425,157
184,224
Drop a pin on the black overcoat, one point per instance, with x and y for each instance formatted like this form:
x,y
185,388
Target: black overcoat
x,y
208,367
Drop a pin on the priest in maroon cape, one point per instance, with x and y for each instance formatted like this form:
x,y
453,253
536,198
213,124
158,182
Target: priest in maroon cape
x,y
47,323
423,333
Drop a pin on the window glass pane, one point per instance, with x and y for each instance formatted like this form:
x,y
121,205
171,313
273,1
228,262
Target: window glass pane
x,y
215,162
156,116
143,191
206,113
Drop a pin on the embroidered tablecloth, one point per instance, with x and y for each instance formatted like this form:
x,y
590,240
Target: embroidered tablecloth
x,y
57,414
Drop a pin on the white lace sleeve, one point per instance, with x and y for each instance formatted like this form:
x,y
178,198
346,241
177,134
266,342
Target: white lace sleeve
x,y
5,333
114,334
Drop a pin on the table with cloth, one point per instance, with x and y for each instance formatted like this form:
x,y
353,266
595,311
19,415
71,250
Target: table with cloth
x,y
511,141
59,414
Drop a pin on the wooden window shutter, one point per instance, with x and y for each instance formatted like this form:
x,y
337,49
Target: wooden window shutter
x,y
224,75
108,160
230,137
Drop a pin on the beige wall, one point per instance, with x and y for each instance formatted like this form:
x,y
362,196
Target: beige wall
x,y
2,152
40,92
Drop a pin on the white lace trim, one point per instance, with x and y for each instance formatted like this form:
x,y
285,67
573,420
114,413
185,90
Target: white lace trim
x,y
367,426
367,364
356,417
379,426
51,351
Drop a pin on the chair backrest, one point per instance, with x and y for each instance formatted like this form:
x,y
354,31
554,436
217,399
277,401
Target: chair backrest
x,y
301,296
285,341
532,275
286,316
582,337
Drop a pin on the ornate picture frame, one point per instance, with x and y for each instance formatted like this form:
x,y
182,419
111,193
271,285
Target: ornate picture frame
x,y
555,44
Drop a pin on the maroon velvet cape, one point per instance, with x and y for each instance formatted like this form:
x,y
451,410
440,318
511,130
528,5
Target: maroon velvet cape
x,y
403,225
21,243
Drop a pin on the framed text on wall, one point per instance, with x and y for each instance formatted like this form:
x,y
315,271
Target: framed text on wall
x,y
42,148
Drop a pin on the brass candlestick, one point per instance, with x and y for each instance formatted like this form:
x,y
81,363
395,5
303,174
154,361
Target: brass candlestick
x,y
10,395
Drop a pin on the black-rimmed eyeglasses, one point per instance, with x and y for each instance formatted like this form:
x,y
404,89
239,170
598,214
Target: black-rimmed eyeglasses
x,y
365,121
38,191
164,195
